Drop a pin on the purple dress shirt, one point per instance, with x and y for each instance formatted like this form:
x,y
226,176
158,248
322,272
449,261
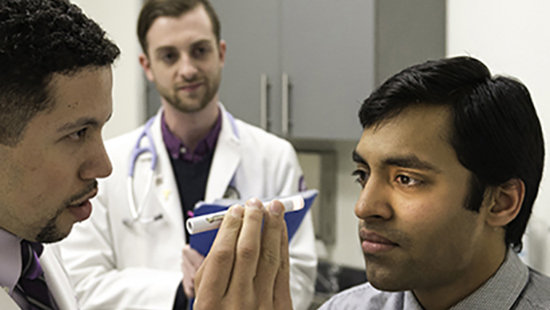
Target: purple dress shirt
x,y
178,150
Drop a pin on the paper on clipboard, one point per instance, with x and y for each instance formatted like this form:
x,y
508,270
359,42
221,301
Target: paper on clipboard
x,y
202,242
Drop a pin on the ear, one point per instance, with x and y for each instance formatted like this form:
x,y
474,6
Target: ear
x,y
146,65
222,46
505,202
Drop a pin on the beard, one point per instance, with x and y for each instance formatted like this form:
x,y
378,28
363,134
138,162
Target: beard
x,y
50,232
193,103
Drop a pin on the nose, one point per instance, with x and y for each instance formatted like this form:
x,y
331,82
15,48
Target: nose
x,y
97,164
187,68
374,202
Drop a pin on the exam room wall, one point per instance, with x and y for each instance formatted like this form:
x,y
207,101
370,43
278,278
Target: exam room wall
x,y
510,36
119,18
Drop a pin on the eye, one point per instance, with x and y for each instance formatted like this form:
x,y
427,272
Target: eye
x,y
169,58
78,135
407,180
362,177
200,51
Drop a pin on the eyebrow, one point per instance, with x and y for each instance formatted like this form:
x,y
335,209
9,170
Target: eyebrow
x,y
410,161
202,41
406,161
357,158
164,48
81,122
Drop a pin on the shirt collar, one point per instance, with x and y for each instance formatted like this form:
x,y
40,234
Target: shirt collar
x,y
178,150
10,256
499,292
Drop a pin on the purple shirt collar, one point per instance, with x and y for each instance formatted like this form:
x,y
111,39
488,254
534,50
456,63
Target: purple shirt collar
x,y
178,150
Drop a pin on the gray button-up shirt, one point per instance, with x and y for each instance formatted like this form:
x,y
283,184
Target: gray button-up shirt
x,y
513,286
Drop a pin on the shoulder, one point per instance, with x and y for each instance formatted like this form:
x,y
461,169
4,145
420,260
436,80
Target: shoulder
x,y
364,296
535,295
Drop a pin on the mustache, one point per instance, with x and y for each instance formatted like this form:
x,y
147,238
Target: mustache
x,y
82,194
187,81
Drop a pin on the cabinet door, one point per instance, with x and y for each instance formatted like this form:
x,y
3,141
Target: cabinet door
x,y
251,31
328,54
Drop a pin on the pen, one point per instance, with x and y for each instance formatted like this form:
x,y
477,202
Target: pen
x,y
212,221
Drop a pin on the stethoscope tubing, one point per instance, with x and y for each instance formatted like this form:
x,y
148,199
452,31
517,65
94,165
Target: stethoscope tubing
x,y
135,210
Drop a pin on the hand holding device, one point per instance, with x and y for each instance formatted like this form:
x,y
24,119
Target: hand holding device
x,y
247,267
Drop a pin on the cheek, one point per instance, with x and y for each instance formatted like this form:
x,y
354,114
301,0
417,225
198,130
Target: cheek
x,y
441,231
45,190
432,220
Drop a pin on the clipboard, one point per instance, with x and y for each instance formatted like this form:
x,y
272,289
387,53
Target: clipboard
x,y
202,242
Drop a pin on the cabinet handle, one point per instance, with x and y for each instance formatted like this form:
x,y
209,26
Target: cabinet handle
x,y
264,84
285,104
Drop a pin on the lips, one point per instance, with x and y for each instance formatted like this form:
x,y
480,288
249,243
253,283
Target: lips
x,y
82,209
374,243
91,195
190,87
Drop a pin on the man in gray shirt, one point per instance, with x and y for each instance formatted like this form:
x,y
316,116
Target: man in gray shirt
x,y
449,163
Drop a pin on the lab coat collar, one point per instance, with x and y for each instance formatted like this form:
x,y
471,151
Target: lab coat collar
x,y
164,183
57,278
227,158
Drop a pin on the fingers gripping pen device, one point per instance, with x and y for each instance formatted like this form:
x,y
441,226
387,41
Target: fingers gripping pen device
x,y
212,221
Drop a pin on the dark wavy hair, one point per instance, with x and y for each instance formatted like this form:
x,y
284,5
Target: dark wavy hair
x,y
153,9
40,38
496,132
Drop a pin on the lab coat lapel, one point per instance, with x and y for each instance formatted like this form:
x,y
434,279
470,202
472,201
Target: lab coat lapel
x,y
6,302
227,157
57,279
164,185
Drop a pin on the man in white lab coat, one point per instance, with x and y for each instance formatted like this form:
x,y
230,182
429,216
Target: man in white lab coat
x,y
55,97
128,255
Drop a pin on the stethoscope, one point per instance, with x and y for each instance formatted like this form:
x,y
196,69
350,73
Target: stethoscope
x,y
136,211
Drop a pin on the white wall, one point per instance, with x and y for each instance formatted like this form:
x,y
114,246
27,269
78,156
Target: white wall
x,y
512,38
119,19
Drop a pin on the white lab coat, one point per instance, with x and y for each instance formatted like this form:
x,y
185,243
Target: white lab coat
x,y
58,281
115,266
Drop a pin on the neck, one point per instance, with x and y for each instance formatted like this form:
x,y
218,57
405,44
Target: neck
x,y
484,265
191,128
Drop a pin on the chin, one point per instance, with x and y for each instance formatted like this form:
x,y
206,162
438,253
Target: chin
x,y
53,233
384,281
387,287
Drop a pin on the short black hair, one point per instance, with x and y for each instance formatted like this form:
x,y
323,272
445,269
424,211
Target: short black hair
x,y
40,38
153,9
496,132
